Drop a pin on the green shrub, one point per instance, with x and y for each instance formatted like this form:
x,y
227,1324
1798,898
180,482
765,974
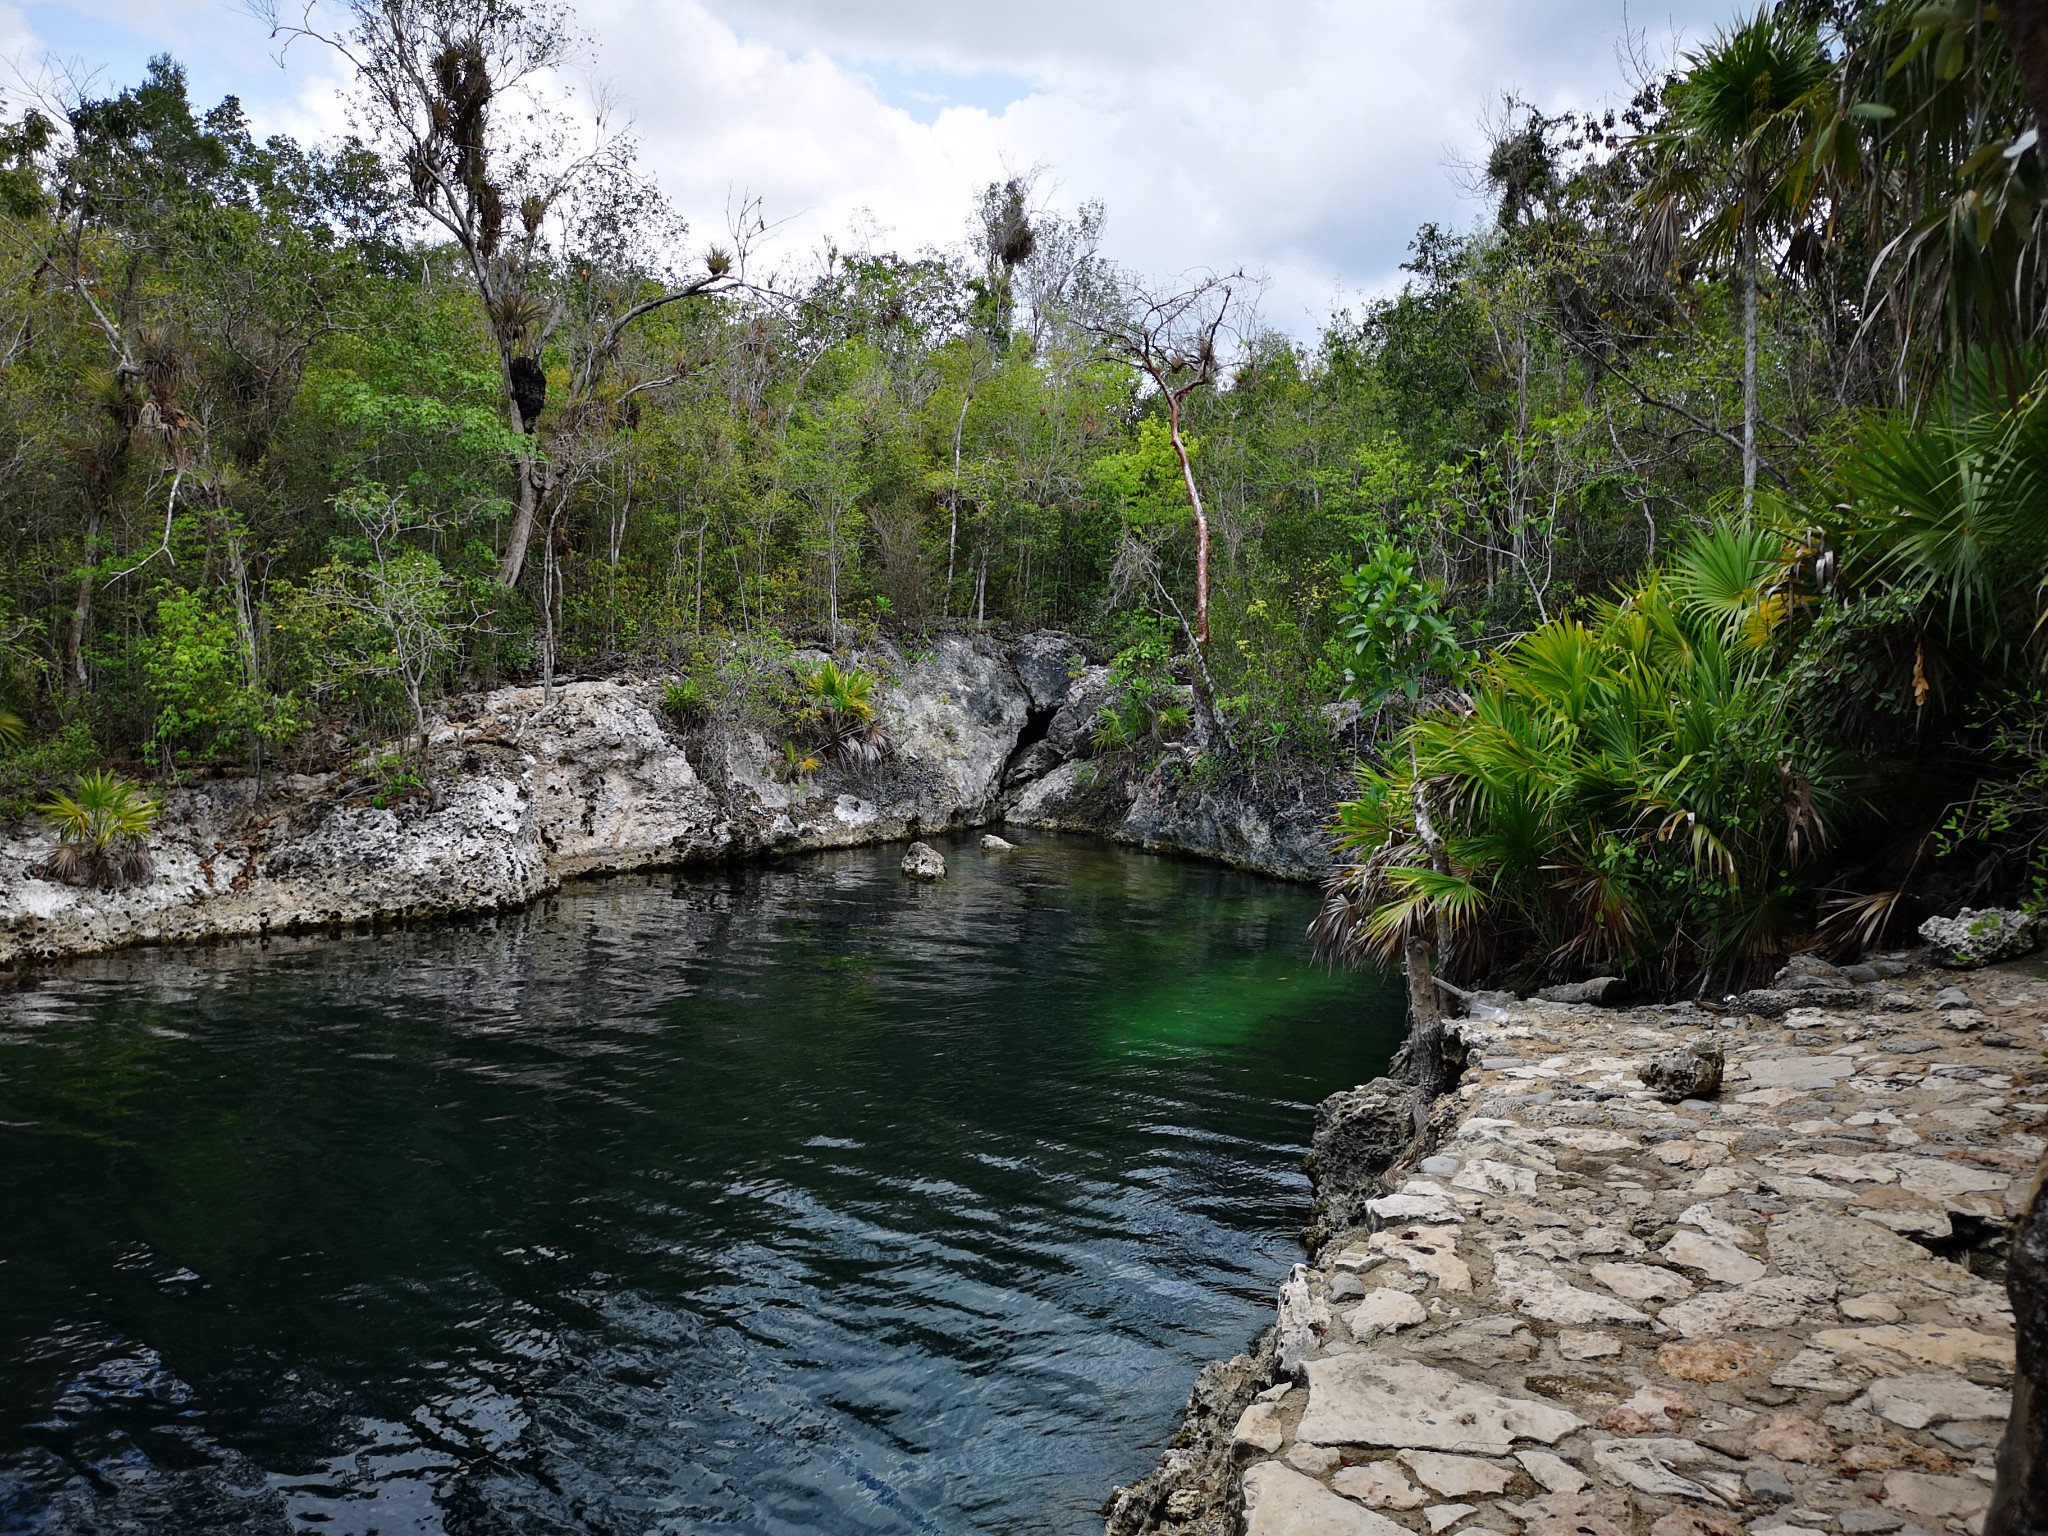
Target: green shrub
x,y
198,671
1622,794
103,832
839,705
31,773
1145,703
688,699
1393,633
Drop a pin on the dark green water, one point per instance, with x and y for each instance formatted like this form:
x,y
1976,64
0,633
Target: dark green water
x,y
796,1198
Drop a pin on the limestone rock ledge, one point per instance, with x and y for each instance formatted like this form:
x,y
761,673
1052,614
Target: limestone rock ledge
x,y
1567,1308
523,793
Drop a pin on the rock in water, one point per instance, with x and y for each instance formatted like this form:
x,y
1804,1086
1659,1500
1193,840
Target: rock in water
x,y
1359,1132
1970,939
2019,1501
1693,1073
924,862
990,843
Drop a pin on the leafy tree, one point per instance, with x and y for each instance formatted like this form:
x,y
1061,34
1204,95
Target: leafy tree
x,y
208,701
1392,630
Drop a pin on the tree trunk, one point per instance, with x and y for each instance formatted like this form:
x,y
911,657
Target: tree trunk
x,y
524,506
1425,1014
1748,263
2019,1499
81,610
1187,472
1425,1050
953,526
2026,34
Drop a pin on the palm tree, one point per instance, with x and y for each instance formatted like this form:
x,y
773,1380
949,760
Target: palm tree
x,y
1728,167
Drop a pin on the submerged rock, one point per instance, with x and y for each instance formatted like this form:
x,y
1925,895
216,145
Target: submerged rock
x,y
921,861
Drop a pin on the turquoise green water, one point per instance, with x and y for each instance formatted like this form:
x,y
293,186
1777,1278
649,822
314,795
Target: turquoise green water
x,y
773,1199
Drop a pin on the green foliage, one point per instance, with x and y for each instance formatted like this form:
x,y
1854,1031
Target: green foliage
x,y
103,833
688,699
32,772
839,707
198,667
1624,794
1953,507
1145,704
796,765
2006,814
1393,635
392,779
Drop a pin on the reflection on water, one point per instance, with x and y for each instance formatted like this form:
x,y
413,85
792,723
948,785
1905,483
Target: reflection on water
x,y
801,1198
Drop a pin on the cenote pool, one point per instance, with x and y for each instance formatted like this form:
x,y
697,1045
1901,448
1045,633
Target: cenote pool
x,y
767,1199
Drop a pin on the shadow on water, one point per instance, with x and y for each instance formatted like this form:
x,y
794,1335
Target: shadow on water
x,y
773,1199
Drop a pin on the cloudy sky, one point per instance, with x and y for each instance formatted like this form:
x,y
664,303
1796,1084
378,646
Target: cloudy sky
x,y
1302,139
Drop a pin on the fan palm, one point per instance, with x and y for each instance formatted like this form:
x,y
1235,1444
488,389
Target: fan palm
x,y
1623,793
842,702
103,833
1954,507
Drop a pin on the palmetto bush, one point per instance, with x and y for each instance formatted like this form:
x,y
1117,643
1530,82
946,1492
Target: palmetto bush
x,y
1621,795
840,704
1953,508
103,832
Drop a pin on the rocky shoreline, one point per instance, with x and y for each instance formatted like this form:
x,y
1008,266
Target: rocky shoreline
x,y
1570,1307
520,793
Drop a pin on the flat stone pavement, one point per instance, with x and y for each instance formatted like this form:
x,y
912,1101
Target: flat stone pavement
x,y
1592,1313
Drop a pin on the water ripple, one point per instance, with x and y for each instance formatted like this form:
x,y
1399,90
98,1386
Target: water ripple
x,y
785,1199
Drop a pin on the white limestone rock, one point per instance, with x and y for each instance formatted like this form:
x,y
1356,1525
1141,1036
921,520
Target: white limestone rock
x,y
1916,1401
1456,1477
1279,1501
1367,1399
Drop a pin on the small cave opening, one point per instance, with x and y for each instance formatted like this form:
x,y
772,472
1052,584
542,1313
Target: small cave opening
x,y
1037,725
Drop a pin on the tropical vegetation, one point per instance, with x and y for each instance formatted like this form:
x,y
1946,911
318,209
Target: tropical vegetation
x,y
1666,555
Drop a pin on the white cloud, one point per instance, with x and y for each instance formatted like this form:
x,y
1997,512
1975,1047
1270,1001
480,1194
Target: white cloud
x,y
1306,140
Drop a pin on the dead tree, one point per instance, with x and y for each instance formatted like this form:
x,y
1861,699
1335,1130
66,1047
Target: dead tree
x,y
1171,339
433,73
